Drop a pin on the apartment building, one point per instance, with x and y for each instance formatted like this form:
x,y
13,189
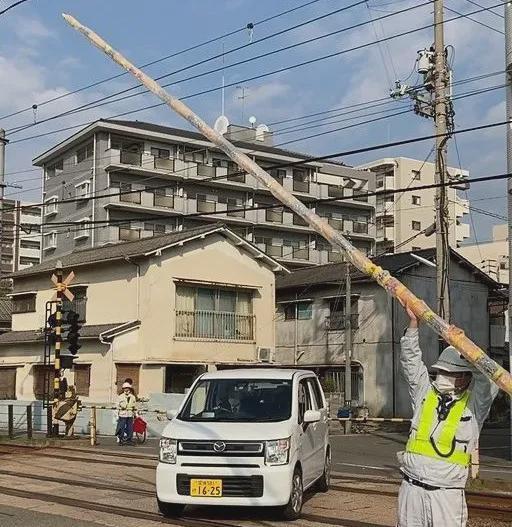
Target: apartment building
x,y
401,219
20,235
154,179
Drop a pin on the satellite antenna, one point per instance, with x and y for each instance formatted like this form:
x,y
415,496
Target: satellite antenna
x,y
221,124
261,130
252,120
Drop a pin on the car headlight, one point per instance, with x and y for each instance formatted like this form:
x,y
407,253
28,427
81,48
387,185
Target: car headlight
x,y
277,452
168,450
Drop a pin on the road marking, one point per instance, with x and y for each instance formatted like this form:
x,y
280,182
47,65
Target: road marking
x,y
363,466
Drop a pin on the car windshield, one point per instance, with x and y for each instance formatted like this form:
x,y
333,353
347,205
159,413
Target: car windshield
x,y
239,400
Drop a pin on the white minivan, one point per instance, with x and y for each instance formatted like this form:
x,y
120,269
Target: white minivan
x,y
246,437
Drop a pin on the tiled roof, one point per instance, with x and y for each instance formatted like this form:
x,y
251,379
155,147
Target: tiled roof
x,y
87,332
394,263
123,250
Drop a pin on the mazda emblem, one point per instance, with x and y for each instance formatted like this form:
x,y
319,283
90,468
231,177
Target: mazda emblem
x,y
219,446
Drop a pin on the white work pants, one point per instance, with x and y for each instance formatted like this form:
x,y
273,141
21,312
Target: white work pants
x,y
418,507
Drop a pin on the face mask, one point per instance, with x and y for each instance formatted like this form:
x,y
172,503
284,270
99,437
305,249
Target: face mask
x,y
444,384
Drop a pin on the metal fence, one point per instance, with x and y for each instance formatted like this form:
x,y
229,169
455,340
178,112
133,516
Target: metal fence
x,y
214,325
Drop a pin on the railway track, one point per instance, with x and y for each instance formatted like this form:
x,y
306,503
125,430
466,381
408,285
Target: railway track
x,y
487,505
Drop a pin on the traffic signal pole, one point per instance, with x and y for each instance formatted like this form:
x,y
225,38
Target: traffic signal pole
x,y
58,345
452,334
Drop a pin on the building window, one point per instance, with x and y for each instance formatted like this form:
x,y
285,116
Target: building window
x,y
82,379
416,174
205,205
128,234
333,382
195,155
300,181
26,260
51,206
83,229
24,303
50,241
337,319
78,304
7,383
85,152
154,228
179,378
299,311
55,169
29,244
380,182
161,153
416,200
416,226
214,313
83,190
126,192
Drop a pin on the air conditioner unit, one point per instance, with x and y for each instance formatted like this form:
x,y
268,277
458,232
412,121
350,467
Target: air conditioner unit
x,y
265,354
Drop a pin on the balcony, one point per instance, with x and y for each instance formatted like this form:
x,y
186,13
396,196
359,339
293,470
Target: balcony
x,y
300,253
238,178
274,216
276,251
206,206
300,185
214,325
161,200
360,195
133,197
359,227
297,220
335,223
130,158
334,257
129,235
236,213
335,191
162,163
206,170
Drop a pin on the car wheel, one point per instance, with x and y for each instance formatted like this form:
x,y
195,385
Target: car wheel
x,y
170,510
325,480
292,510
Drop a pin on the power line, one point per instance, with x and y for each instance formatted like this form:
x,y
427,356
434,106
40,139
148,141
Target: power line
x,y
488,9
475,20
203,92
161,59
12,6
106,100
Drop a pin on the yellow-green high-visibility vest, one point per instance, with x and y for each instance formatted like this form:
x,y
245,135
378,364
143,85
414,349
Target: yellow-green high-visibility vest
x,y
443,447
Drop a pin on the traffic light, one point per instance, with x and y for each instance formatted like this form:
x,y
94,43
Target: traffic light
x,y
51,323
73,332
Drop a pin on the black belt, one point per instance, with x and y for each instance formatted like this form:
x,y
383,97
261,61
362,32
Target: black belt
x,y
417,483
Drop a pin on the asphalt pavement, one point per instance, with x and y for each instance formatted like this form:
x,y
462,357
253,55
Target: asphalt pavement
x,y
13,517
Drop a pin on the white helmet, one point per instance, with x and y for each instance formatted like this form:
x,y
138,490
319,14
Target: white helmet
x,y
127,385
452,361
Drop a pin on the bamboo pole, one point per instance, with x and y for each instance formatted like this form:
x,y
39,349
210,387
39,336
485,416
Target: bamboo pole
x,y
450,333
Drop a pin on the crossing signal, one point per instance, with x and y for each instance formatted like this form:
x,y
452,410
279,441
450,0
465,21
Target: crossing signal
x,y
73,334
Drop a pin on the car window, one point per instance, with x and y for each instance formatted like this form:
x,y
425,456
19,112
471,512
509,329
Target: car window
x,y
304,400
316,393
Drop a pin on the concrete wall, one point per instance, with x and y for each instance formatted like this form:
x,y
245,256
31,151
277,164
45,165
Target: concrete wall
x,y
382,321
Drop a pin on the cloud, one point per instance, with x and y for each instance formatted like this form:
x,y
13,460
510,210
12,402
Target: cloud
x,y
30,29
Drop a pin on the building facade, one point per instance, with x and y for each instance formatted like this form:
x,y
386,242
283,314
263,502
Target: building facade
x,y
491,256
311,325
153,179
20,235
402,218
151,310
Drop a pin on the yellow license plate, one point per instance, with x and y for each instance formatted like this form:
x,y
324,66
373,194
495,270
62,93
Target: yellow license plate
x,y
206,488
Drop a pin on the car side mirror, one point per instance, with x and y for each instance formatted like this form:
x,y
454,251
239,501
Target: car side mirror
x,y
312,416
171,414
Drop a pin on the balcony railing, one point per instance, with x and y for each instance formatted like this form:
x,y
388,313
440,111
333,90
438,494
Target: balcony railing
x,y
336,223
239,178
206,206
359,227
297,220
217,325
132,197
129,235
301,253
162,163
334,191
131,158
334,257
164,201
274,216
274,250
236,213
360,195
300,185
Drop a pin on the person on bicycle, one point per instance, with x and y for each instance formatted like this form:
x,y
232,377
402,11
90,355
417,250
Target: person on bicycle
x,y
126,407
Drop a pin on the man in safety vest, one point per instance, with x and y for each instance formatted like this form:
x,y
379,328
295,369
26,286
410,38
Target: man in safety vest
x,y
448,415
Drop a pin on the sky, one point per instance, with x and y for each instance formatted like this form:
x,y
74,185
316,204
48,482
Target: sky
x,y
41,58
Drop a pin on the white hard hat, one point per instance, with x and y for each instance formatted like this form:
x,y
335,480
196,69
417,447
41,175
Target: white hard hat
x,y
127,385
452,361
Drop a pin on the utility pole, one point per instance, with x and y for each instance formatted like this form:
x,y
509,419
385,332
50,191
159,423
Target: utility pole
x,y
441,118
348,346
2,186
508,70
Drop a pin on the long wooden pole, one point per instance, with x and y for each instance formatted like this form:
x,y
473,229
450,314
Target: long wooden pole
x,y
394,287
